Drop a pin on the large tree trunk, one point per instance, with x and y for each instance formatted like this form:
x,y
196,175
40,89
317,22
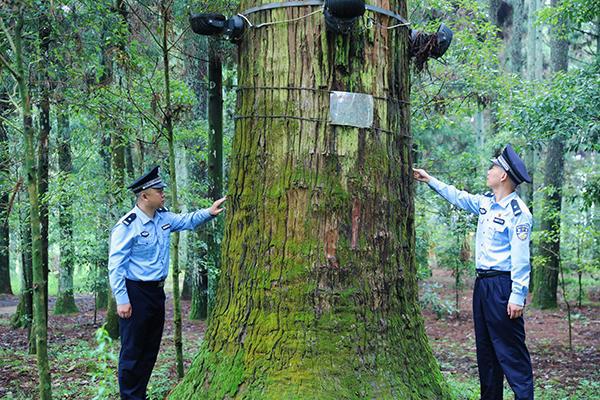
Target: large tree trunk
x,y
5,110
546,273
65,302
318,294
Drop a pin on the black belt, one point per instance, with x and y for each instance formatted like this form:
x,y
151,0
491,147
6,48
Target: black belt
x,y
481,273
149,283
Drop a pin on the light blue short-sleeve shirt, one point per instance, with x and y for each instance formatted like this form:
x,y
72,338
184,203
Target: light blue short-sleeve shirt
x,y
503,234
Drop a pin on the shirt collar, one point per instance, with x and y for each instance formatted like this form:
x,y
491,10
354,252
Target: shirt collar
x,y
142,215
507,199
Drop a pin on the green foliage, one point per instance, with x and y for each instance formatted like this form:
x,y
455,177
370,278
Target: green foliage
x,y
105,366
575,11
470,76
431,300
564,105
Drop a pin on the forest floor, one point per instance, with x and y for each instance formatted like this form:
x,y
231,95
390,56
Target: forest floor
x,y
79,368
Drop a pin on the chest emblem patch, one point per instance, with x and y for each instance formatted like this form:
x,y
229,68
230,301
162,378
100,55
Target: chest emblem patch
x,y
482,211
522,231
166,226
145,234
499,220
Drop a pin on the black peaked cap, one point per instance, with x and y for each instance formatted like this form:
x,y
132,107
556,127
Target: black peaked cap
x,y
510,161
147,181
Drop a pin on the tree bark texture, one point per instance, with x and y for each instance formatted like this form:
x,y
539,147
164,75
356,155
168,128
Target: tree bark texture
x,y
318,294
5,190
546,273
65,301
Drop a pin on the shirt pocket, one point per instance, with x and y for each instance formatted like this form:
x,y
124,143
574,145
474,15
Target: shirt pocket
x,y
499,235
143,246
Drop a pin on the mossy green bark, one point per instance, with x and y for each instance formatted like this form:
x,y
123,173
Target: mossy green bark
x,y
318,295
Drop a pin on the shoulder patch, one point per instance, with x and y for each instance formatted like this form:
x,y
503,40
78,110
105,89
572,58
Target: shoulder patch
x,y
489,194
522,231
129,219
515,207
162,209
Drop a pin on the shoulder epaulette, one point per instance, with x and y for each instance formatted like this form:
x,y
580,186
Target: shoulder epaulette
x,y
515,207
129,219
162,209
489,194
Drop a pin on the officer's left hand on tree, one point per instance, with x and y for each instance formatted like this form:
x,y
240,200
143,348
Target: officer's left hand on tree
x,y
214,209
514,311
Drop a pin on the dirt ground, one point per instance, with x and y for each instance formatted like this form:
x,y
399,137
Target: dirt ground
x,y
452,340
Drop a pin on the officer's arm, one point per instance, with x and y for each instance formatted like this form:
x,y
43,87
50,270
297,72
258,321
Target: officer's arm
x,y
120,249
519,236
186,221
460,198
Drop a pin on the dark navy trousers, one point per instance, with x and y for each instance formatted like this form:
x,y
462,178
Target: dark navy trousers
x,y
500,341
140,337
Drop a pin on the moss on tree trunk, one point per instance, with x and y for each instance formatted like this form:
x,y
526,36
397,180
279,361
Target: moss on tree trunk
x,y
317,297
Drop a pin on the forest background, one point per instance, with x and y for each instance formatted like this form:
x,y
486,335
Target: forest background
x,y
94,93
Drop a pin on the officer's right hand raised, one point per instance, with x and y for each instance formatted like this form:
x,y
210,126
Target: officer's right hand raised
x,y
421,175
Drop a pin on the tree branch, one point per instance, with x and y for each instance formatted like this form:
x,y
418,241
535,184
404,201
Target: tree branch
x,y
7,65
156,40
8,36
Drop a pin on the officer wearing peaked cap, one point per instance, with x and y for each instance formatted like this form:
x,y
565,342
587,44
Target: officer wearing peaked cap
x,y
503,269
138,265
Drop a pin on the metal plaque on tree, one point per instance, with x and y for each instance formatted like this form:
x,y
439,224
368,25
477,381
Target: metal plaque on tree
x,y
351,109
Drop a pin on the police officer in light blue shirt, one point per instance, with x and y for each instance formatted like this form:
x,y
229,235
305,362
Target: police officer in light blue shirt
x,y
503,269
138,265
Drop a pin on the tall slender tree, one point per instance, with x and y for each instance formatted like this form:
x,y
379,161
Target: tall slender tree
x,y
5,110
318,294
546,273
166,14
215,158
21,76
44,31
203,281
65,301
24,314
118,145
